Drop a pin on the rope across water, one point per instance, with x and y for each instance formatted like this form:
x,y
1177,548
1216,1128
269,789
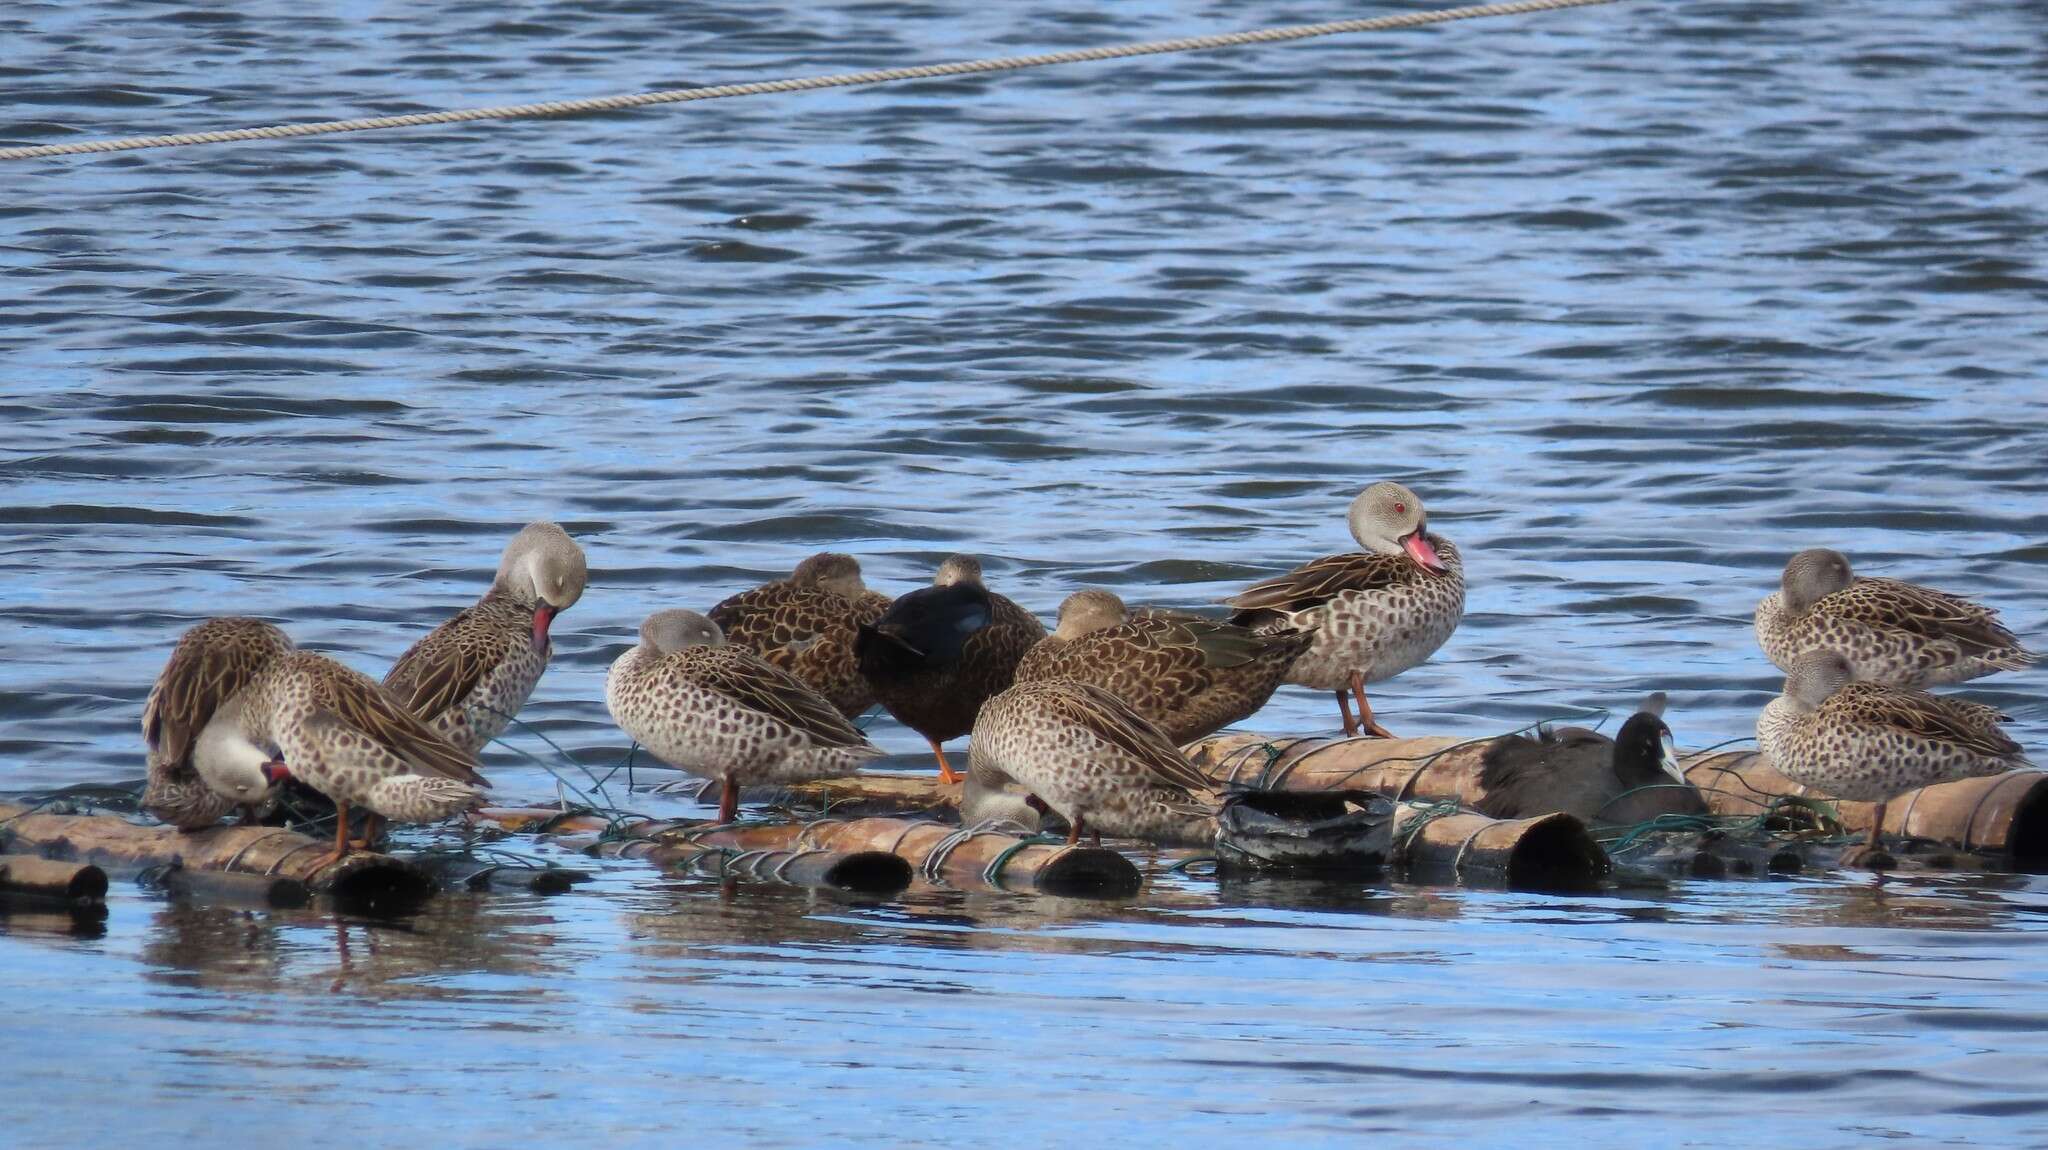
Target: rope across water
x,y
803,84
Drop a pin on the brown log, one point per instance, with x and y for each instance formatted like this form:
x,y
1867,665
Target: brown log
x,y
1429,768
29,878
2004,815
215,886
864,872
979,861
2001,815
365,880
1553,851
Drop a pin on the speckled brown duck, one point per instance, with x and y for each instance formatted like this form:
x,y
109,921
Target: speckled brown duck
x,y
468,677
941,651
1868,742
1375,613
1089,757
345,736
1891,632
1188,675
721,712
1632,778
190,785
806,625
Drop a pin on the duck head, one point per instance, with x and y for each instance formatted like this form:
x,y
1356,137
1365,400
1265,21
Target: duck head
x,y
666,632
1815,675
234,762
958,569
544,569
1388,519
833,572
1812,574
1086,611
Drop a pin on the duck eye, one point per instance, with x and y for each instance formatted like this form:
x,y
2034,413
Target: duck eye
x,y
1400,508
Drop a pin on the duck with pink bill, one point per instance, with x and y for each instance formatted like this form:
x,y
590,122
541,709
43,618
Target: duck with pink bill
x,y
1375,613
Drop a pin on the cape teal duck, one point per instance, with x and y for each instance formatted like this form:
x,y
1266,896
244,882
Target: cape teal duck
x,y
469,676
340,733
941,651
1631,778
721,712
1089,757
1868,742
1891,632
1186,674
191,784
1375,613
806,625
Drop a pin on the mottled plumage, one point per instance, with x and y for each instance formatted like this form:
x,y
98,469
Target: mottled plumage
x,y
1891,632
472,674
1374,613
345,736
806,625
1629,779
1095,761
721,712
1187,675
212,664
1868,742
941,651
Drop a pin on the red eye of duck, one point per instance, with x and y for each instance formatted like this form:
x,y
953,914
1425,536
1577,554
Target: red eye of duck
x,y
1400,508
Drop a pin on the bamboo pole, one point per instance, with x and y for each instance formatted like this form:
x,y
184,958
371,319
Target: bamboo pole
x,y
862,872
961,857
365,880
2004,815
1547,852
215,886
28,878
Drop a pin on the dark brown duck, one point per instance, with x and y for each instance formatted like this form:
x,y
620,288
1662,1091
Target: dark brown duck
x,y
942,651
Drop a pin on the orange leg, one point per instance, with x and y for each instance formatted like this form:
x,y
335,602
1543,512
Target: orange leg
x,y
728,801
1344,707
1074,831
1872,853
946,772
373,830
1366,722
341,843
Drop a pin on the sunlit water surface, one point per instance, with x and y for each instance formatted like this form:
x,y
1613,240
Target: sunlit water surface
x,y
1641,298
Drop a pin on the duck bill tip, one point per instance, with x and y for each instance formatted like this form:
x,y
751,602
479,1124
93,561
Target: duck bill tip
x,y
1418,548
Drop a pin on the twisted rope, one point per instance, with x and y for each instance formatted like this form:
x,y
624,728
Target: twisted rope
x,y
803,84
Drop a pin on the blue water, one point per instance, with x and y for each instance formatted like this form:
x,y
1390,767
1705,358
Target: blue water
x,y
1640,298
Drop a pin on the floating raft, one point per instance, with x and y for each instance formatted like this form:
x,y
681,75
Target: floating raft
x,y
2004,816
962,858
364,881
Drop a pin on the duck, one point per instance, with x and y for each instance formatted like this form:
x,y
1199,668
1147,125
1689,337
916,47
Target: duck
x,y
942,651
1631,778
806,625
341,733
468,677
1871,742
722,712
190,784
1892,632
1374,613
1188,674
1094,761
